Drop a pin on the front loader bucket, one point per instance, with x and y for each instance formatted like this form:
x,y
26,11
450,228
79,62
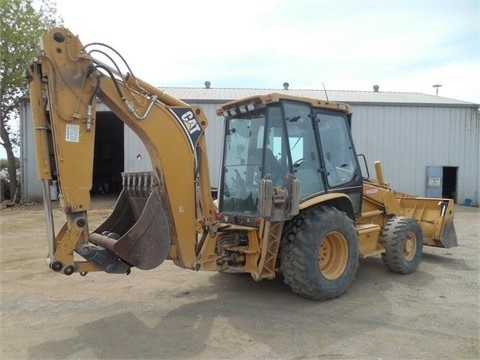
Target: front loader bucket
x,y
139,229
435,217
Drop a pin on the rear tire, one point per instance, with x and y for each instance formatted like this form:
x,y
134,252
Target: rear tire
x,y
403,241
319,254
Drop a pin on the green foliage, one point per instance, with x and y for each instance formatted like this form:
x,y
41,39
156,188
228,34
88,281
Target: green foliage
x,y
21,27
21,24
4,163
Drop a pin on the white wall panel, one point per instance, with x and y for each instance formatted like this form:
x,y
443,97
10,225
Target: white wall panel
x,y
30,184
407,139
137,159
214,137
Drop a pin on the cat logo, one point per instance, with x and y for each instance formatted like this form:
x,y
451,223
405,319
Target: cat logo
x,y
189,123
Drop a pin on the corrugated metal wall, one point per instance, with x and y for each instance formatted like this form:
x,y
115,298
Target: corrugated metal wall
x,y
137,159
407,139
31,186
214,135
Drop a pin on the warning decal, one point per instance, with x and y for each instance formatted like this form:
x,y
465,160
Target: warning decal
x,y
72,133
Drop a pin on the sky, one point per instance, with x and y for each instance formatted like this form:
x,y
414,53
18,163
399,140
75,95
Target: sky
x,y
402,46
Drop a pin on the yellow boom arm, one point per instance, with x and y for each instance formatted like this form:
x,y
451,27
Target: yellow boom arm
x,y
149,222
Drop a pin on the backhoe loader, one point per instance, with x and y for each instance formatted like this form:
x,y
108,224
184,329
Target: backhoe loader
x,y
292,199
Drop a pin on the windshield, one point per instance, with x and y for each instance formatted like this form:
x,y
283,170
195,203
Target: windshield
x,y
242,164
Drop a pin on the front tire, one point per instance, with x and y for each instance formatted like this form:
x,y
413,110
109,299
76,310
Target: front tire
x,y
319,254
403,241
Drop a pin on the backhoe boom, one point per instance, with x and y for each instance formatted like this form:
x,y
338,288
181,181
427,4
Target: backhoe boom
x,y
176,193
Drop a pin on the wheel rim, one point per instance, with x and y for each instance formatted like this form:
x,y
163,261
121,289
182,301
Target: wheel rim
x,y
409,246
333,255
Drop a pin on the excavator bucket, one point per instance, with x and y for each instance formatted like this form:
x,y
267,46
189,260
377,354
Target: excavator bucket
x,y
139,228
435,217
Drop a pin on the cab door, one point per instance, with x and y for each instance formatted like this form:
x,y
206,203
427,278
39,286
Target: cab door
x,y
340,166
302,148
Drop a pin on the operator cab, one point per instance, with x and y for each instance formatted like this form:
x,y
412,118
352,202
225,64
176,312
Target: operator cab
x,y
277,135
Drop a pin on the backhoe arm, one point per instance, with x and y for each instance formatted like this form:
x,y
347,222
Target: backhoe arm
x,y
159,214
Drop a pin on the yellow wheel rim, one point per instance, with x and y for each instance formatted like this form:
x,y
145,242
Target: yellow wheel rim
x,y
409,246
333,255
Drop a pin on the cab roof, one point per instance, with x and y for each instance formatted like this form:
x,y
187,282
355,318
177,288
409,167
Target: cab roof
x,y
262,100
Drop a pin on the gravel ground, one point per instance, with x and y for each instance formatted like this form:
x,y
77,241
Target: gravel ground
x,y
172,313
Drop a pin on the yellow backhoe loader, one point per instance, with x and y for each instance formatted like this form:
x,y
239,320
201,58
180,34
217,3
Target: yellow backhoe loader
x,y
292,198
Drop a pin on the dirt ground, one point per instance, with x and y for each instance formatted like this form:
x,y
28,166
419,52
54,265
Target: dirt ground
x,y
172,313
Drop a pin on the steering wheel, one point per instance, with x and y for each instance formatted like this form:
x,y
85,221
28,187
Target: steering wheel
x,y
298,162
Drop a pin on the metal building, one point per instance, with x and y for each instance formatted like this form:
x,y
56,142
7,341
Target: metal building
x,y
428,145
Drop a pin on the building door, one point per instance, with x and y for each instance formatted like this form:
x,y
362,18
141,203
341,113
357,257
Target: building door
x,y
441,182
109,154
434,181
449,182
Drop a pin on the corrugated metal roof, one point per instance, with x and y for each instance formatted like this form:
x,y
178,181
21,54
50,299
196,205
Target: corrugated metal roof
x,y
191,94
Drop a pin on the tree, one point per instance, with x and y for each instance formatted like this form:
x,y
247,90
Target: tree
x,y
21,27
